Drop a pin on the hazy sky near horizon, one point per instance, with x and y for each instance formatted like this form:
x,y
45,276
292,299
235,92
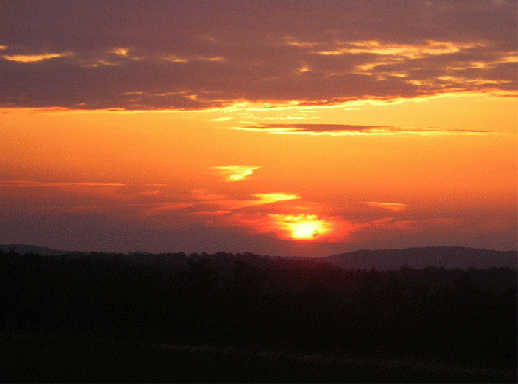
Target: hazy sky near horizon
x,y
273,127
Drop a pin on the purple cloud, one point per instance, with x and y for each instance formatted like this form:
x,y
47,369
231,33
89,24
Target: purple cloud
x,y
203,54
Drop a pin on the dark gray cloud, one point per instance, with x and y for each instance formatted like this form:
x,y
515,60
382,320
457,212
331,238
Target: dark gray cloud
x,y
201,54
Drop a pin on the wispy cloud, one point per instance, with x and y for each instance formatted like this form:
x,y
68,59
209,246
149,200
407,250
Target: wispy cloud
x,y
267,198
33,58
345,129
44,184
394,207
389,223
235,172
261,199
212,213
401,51
316,128
223,118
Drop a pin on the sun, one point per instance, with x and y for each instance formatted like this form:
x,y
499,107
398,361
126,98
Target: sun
x,y
305,230
301,227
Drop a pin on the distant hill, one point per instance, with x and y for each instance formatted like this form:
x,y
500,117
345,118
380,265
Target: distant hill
x,y
35,249
382,260
447,257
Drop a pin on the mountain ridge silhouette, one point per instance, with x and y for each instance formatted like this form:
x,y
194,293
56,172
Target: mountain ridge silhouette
x,y
450,257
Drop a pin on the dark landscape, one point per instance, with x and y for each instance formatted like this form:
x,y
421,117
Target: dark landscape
x,y
96,317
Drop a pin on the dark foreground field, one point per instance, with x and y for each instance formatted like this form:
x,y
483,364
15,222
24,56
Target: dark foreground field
x,y
122,318
33,358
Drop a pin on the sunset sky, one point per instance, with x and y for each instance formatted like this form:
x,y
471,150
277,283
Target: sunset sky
x,y
273,127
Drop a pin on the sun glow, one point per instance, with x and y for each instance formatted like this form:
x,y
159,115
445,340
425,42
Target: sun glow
x,y
301,227
304,231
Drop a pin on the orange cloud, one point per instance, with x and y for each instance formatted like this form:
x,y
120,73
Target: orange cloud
x,y
35,57
235,172
403,51
267,198
120,51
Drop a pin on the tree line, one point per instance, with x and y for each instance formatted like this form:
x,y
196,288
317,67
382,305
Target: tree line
x,y
455,316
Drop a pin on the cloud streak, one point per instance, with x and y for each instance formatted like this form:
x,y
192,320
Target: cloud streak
x,y
261,199
235,172
172,55
33,58
47,184
394,207
345,129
